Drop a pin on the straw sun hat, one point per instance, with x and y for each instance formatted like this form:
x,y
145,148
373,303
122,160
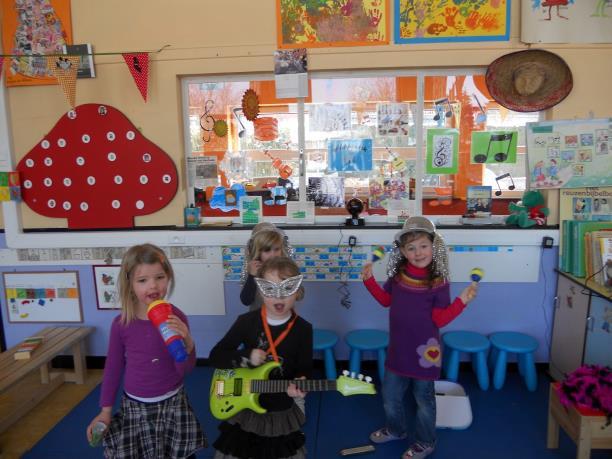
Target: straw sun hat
x,y
529,81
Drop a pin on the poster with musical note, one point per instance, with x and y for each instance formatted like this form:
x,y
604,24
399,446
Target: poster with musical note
x,y
493,147
442,151
569,153
459,21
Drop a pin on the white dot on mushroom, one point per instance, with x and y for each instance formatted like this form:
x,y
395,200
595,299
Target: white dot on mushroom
x,y
111,156
139,204
84,206
86,138
67,181
118,179
48,161
27,184
116,204
80,160
51,203
30,162
45,144
66,205
144,179
91,180
61,143
47,181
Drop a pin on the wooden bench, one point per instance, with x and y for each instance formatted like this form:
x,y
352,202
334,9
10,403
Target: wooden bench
x,y
16,400
587,429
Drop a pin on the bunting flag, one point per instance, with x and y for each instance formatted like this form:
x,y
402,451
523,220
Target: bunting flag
x,y
64,68
138,64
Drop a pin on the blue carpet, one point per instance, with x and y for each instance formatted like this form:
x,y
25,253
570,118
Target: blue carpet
x,y
508,423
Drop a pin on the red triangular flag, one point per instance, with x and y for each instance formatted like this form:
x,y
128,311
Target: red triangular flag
x,y
138,64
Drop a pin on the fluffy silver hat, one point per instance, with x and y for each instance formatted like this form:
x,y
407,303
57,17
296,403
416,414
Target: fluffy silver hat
x,y
419,224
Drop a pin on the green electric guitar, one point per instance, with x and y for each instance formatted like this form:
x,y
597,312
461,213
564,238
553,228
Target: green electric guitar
x,y
236,389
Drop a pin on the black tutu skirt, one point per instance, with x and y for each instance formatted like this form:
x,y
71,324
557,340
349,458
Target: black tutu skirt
x,y
272,435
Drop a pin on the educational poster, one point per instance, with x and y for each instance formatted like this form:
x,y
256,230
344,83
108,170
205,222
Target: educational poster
x,y
566,21
326,191
330,117
107,290
308,24
493,147
459,21
392,119
586,204
442,151
569,153
349,155
202,171
38,27
42,296
317,263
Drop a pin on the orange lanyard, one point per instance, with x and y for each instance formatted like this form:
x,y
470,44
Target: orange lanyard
x,y
280,338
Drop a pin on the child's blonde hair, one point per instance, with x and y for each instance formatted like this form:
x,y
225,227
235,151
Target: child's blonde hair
x,y
148,254
285,267
264,241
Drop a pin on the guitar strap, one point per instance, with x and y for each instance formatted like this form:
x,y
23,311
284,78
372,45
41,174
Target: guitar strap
x,y
281,337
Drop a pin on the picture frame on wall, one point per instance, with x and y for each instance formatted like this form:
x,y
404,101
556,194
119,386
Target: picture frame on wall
x,y
107,291
42,297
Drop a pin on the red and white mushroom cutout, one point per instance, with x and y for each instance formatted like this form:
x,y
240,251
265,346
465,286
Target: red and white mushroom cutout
x,y
97,170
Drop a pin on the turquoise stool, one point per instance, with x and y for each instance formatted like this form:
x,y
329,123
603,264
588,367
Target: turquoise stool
x,y
520,344
471,343
367,340
325,340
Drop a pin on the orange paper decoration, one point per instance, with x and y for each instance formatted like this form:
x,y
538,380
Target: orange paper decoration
x,y
266,128
250,105
64,68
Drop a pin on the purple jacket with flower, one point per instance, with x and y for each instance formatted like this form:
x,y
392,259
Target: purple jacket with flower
x,y
414,339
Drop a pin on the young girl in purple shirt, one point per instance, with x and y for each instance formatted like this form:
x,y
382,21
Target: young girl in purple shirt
x,y
418,296
155,419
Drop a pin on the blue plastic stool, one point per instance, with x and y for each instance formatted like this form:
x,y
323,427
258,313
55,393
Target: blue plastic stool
x,y
471,343
520,344
367,340
325,340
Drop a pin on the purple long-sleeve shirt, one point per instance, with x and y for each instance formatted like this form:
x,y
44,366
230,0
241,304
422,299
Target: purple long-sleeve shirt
x,y
139,350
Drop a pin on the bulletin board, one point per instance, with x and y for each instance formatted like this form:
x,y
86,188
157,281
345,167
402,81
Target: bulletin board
x,y
43,296
569,153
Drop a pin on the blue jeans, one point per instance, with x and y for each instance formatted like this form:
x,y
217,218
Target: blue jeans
x,y
410,405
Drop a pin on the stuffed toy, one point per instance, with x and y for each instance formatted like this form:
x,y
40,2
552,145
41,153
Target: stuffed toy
x,y
529,211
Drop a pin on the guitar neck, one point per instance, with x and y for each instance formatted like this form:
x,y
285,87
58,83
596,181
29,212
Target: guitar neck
x,y
269,386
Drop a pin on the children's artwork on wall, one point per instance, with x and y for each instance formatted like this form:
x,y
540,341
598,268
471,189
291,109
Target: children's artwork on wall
x,y
51,296
34,27
349,155
107,290
393,119
235,165
569,153
250,210
306,24
468,20
10,186
290,73
442,151
493,147
566,21
96,169
225,199
330,117
326,191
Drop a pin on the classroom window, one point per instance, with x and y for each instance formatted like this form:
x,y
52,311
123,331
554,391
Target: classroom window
x,y
381,107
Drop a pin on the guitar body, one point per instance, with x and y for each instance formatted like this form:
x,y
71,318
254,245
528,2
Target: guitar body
x,y
230,390
235,389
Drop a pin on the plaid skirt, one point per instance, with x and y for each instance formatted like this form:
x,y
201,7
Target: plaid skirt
x,y
271,435
158,430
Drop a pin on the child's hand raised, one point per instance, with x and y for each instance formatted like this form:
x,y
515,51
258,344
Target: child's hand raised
x,y
257,357
294,392
469,293
253,267
366,271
